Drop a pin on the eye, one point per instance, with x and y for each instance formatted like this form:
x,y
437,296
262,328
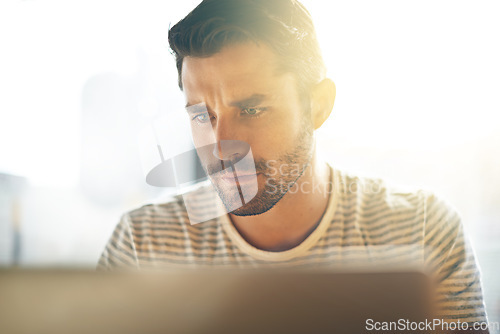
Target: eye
x,y
252,112
202,118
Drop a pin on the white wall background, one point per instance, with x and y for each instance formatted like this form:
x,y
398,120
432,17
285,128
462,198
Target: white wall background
x,y
417,103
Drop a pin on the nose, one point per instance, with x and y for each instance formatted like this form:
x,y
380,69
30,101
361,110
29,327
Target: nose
x,y
228,144
230,149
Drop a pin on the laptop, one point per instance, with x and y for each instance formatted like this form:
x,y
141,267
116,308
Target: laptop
x,y
208,301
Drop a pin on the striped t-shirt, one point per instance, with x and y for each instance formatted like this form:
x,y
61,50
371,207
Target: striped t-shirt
x,y
367,224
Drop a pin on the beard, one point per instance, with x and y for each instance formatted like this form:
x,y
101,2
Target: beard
x,y
280,175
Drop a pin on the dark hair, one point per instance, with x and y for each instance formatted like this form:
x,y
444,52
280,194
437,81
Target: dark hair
x,y
283,25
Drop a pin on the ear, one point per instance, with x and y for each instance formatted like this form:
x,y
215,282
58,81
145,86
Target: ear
x,y
322,100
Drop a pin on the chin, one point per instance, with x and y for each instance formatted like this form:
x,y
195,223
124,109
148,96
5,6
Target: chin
x,y
257,206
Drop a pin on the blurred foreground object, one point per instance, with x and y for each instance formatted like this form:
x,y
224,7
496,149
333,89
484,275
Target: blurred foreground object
x,y
223,301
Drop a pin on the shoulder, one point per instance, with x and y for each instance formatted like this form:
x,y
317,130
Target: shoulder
x,y
375,194
388,211
175,214
173,209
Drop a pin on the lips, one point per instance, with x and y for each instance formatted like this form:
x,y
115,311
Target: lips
x,y
240,177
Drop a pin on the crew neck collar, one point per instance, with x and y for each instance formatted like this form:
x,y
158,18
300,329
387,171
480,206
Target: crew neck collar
x,y
301,248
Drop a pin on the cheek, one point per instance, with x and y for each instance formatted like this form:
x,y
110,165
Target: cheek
x,y
275,138
202,134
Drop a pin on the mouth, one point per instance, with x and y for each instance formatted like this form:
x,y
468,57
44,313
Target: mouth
x,y
241,178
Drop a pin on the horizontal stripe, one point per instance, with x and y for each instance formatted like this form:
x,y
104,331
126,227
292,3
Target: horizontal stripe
x,y
369,228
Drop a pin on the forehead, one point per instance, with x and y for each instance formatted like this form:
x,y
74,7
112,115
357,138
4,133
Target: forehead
x,y
240,69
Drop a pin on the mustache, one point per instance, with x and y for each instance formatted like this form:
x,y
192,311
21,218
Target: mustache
x,y
222,165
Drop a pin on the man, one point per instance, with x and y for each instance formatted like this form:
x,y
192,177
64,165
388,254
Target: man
x,y
252,73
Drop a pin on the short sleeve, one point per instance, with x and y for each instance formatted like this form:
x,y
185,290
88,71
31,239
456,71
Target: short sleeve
x,y
450,257
120,252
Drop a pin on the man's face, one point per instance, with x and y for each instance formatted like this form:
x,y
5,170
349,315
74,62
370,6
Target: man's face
x,y
238,94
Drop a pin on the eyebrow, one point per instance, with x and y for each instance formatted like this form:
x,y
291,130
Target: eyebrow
x,y
251,101
196,108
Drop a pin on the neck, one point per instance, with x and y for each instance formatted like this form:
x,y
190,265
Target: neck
x,y
294,217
